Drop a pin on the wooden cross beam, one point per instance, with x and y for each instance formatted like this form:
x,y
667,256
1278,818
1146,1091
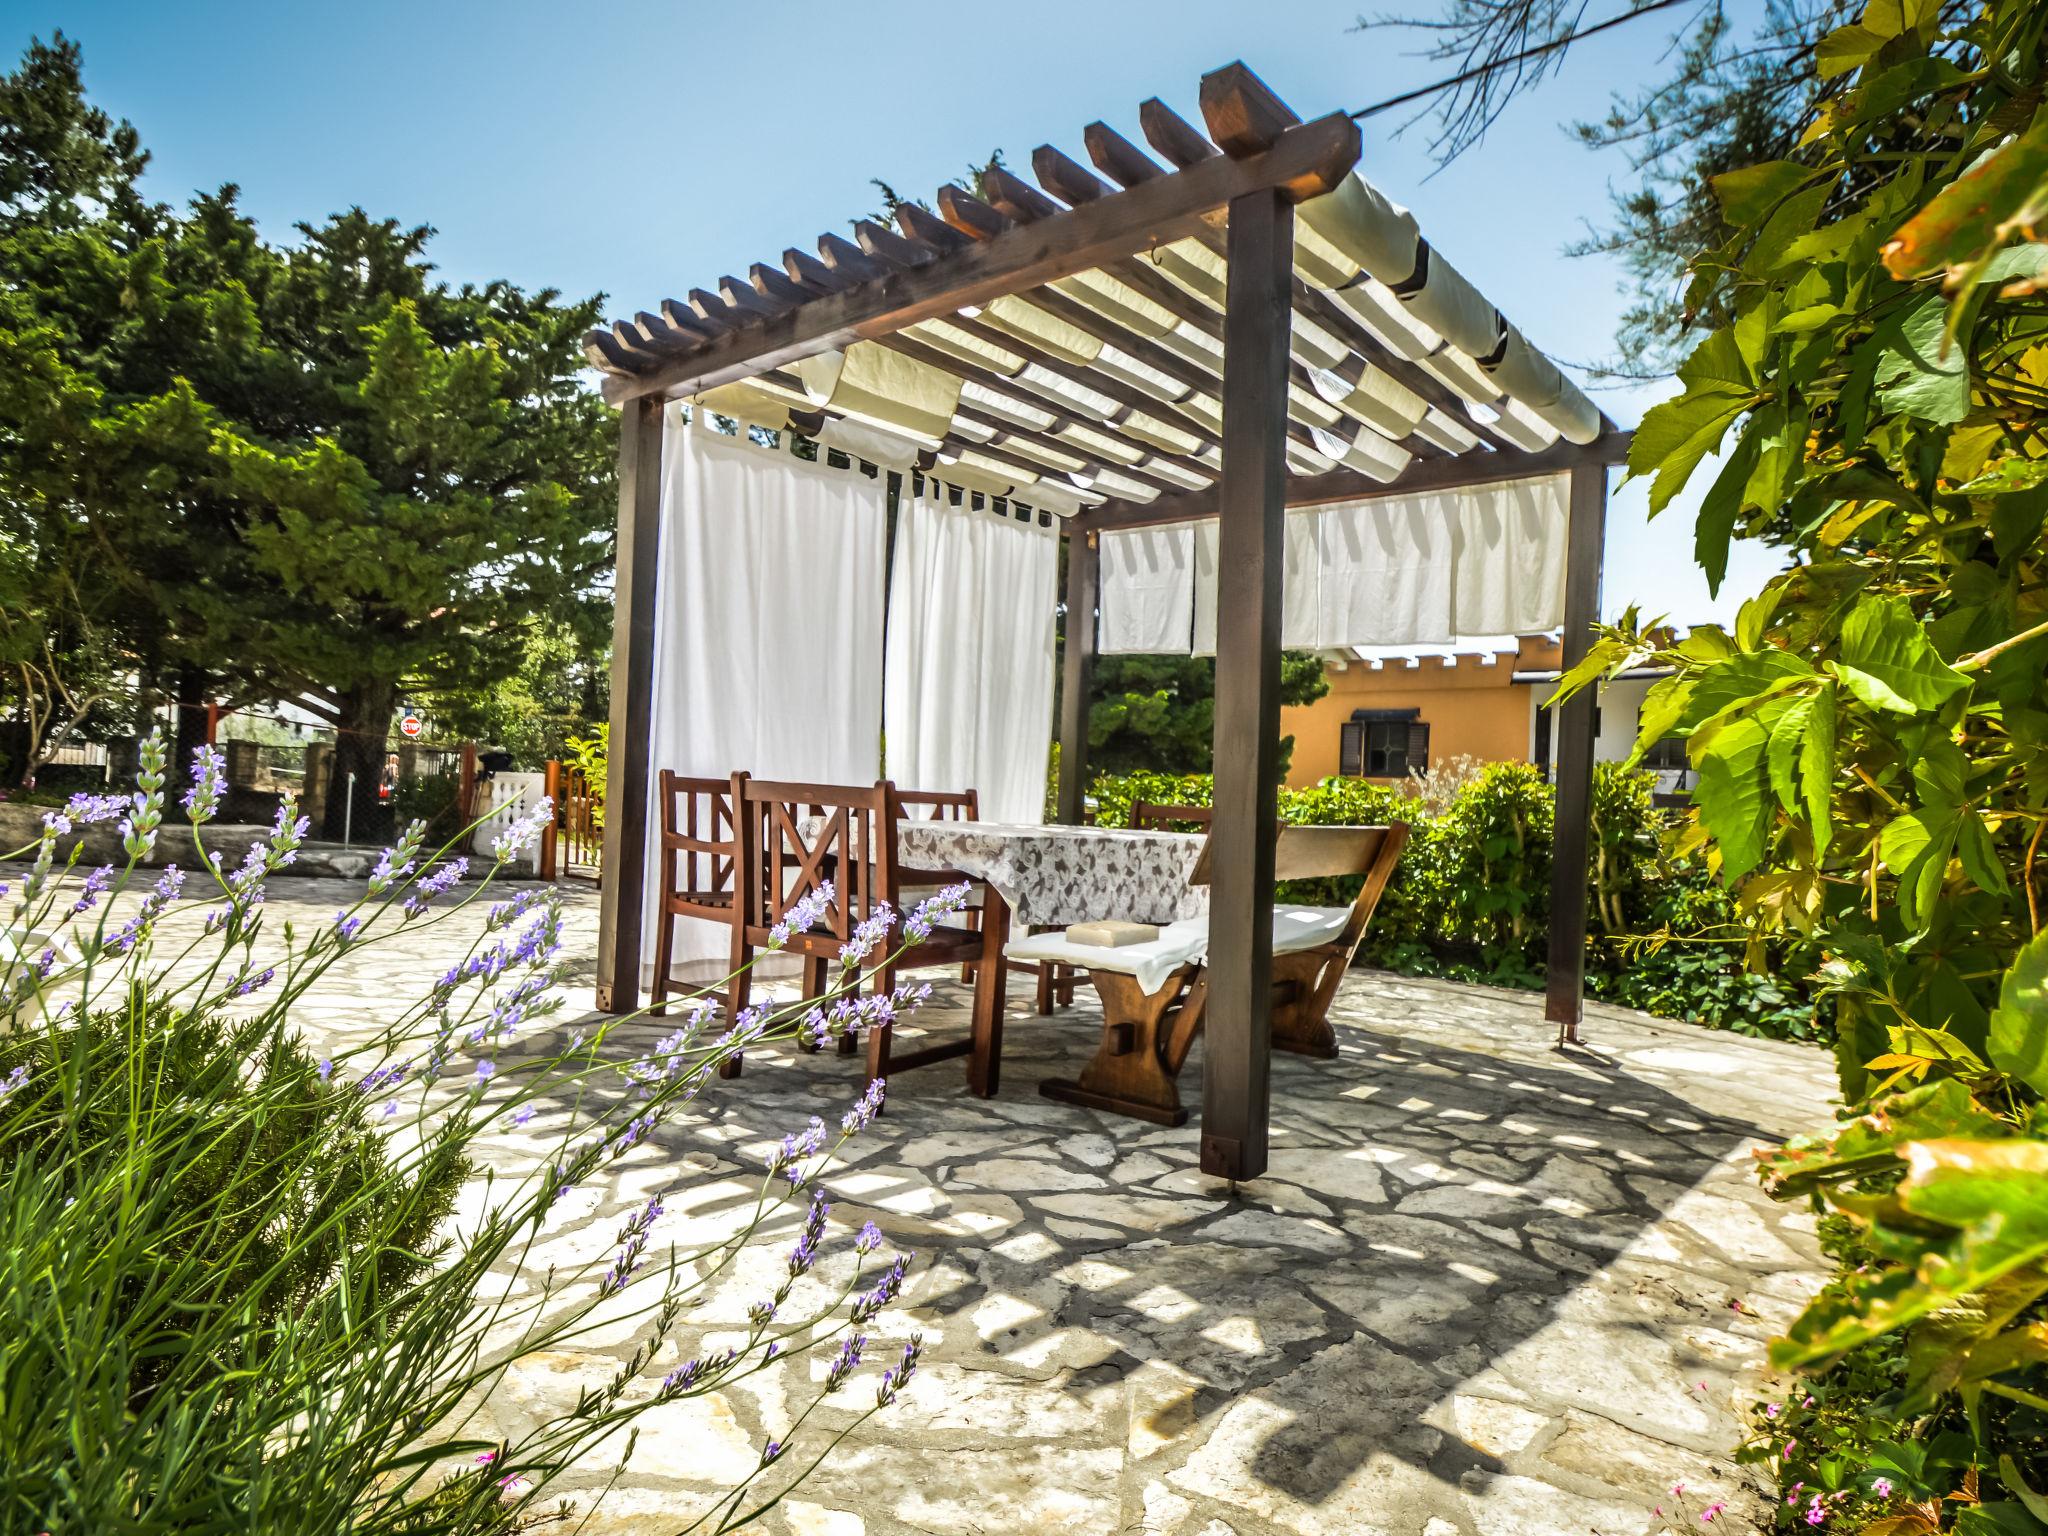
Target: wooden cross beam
x,y
1303,162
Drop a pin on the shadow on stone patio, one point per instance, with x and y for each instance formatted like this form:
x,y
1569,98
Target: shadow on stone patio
x,y
1482,1283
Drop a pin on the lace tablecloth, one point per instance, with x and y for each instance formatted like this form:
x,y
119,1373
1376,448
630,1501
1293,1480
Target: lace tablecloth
x,y
1055,875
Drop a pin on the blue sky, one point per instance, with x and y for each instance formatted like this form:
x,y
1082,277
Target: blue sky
x,y
643,147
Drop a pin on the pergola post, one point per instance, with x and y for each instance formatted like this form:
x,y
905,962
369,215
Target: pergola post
x,y
1250,551
621,910
1574,721
1077,669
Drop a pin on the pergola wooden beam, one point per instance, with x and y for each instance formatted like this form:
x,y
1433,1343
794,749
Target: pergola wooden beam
x,y
1305,162
1238,200
1450,472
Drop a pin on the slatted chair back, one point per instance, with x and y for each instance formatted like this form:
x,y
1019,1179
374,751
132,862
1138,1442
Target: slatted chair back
x,y
1155,816
700,845
939,804
849,841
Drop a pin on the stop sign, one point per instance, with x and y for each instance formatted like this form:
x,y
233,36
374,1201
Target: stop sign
x,y
410,725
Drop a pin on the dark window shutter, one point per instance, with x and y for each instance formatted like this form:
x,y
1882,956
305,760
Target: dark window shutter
x,y
1351,751
1418,747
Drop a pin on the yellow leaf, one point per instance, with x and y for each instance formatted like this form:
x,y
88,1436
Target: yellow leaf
x,y
1846,519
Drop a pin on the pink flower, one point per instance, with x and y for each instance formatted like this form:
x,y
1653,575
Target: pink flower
x,y
1882,1488
1770,1410
1677,1490
1816,1515
1707,1514
1790,1447
485,1458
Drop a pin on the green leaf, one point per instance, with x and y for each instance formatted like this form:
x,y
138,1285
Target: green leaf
x,y
1888,662
1892,18
1906,839
1676,434
1871,1142
1970,217
2018,1044
1979,856
1788,735
1817,769
1731,795
1748,678
1747,196
1919,374
1844,49
1719,510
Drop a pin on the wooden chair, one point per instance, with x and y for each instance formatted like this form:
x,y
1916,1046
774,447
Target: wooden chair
x,y
698,870
853,846
1153,995
1153,816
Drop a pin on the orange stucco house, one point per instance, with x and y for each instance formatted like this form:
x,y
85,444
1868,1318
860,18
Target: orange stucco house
x,y
1386,717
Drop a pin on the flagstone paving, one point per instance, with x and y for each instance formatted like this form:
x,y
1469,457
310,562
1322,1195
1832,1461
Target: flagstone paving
x,y
1485,1288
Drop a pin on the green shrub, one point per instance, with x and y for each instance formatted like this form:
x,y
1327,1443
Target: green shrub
x,y
429,798
233,1296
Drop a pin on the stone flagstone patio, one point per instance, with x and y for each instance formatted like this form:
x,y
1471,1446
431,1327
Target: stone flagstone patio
x,y
1485,1288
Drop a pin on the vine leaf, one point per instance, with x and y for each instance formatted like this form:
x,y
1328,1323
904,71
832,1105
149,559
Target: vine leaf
x,y
1968,220
2018,1043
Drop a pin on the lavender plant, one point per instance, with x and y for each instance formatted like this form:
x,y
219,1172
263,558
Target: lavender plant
x,y
233,1292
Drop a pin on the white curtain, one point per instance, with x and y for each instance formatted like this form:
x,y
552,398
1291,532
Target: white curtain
x,y
768,629
1147,597
1393,570
1510,573
1300,583
1388,570
968,686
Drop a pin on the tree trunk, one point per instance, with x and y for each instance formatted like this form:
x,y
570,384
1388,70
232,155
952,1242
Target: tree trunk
x,y
362,741
191,687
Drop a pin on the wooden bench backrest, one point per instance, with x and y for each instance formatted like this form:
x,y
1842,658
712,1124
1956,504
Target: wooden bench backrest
x,y
1315,853
1152,816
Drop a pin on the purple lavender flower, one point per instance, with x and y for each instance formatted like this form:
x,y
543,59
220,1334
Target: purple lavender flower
x,y
325,1069
868,1239
13,1080
396,862
770,1452
434,883
873,930
209,778
918,926
633,1237
88,810
95,886
898,1375
246,983
844,1363
146,807
346,928
868,1303
797,1147
522,1114
805,1253
862,1115
519,835
808,912
485,1070
161,895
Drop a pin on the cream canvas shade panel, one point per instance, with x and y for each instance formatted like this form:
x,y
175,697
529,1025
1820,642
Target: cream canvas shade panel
x,y
1395,570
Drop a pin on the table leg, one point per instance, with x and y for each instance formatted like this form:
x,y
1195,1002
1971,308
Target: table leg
x,y
991,982
1145,1039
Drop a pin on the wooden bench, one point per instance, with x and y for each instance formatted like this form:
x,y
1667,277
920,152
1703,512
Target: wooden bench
x,y
1153,994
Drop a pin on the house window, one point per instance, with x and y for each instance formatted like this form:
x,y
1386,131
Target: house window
x,y
1667,755
1384,744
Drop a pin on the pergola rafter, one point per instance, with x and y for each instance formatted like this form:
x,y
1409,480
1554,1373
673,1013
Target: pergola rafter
x,y
1244,328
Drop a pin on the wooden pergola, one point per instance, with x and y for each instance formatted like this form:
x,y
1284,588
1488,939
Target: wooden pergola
x,y
1084,325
